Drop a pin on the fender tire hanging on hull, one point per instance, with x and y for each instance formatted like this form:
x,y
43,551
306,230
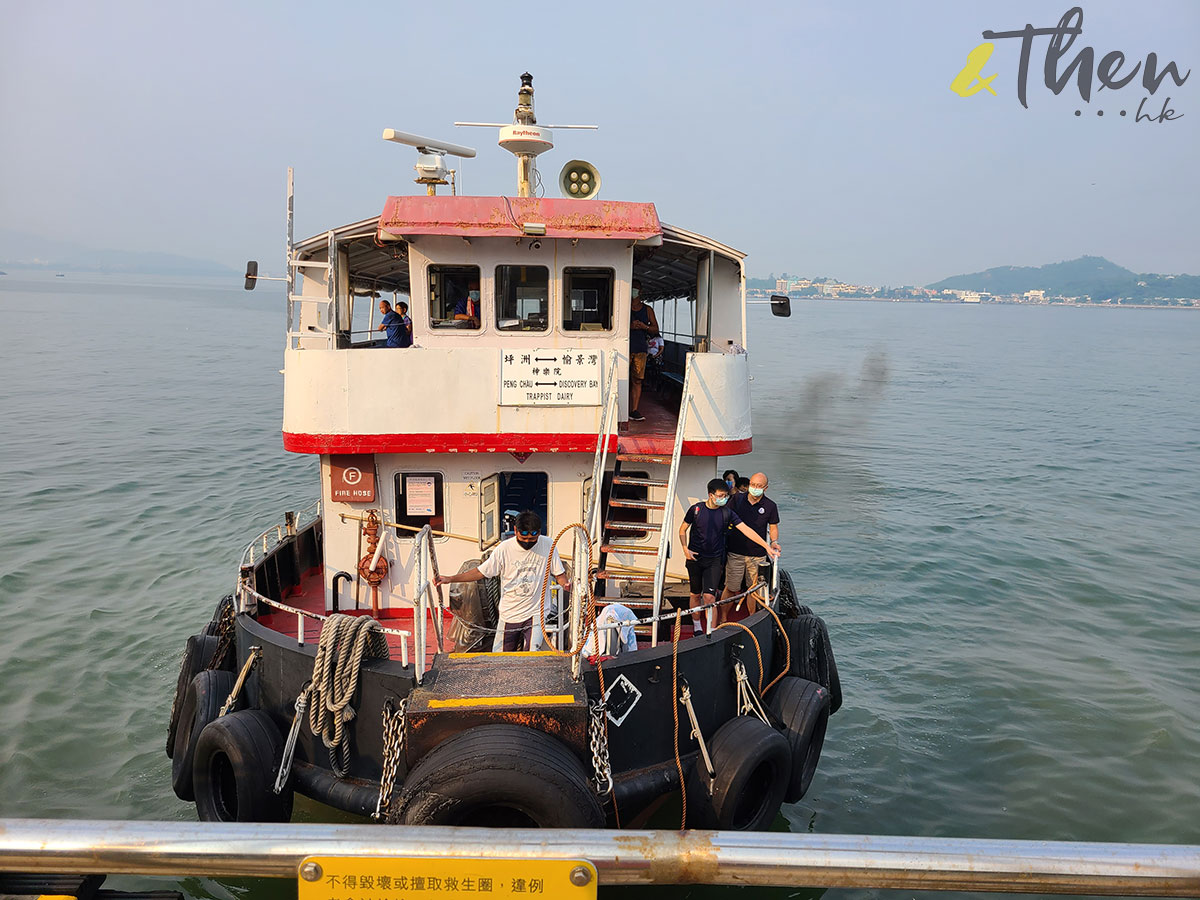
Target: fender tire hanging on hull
x,y
225,606
233,774
498,775
789,602
197,654
206,694
753,764
812,656
803,707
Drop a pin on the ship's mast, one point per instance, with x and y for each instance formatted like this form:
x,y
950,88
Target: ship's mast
x,y
524,115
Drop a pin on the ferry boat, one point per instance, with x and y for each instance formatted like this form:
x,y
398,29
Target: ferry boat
x,y
341,668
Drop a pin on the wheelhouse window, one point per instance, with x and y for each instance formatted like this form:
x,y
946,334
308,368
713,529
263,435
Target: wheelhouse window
x,y
420,501
587,299
454,297
522,298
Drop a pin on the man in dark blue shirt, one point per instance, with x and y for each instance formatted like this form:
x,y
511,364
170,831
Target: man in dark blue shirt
x,y
467,308
705,546
745,557
398,325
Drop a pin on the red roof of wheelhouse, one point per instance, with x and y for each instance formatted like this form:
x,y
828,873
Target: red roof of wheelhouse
x,y
509,216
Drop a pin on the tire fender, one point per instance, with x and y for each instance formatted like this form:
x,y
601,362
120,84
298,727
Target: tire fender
x,y
205,695
789,603
803,707
197,654
233,773
753,764
498,775
812,656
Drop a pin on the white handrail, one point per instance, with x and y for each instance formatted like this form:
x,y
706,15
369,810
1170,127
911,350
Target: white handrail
x,y
422,605
668,519
600,462
248,593
429,596
305,516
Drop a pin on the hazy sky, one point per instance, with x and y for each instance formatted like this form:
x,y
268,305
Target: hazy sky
x,y
819,137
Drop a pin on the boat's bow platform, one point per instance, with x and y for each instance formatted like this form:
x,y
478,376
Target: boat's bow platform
x,y
464,690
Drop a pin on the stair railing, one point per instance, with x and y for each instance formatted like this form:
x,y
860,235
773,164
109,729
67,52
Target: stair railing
x,y
600,462
664,535
428,597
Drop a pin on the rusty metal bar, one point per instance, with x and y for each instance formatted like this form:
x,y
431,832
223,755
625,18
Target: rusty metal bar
x,y
182,849
462,537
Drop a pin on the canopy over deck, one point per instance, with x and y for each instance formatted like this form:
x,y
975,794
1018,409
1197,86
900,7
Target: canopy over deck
x,y
667,266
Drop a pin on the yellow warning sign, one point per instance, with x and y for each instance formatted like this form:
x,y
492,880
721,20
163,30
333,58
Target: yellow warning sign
x,y
427,878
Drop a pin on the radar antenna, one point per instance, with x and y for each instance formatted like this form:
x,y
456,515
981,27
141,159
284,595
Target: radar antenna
x,y
431,156
524,138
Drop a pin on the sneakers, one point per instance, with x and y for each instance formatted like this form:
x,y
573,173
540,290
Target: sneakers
x,y
635,416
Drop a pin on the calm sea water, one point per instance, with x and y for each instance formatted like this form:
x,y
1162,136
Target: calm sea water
x,y
996,509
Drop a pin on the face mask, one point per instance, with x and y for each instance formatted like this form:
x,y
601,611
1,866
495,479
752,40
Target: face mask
x,y
527,544
730,483
636,293
720,501
756,492
473,295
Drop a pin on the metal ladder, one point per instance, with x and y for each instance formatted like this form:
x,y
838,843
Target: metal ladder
x,y
614,529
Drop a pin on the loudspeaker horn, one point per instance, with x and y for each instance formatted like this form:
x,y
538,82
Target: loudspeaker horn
x,y
579,180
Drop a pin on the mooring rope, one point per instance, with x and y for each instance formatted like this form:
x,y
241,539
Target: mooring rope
x,y
345,641
675,714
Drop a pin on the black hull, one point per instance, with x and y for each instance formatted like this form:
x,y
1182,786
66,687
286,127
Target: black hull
x,y
641,747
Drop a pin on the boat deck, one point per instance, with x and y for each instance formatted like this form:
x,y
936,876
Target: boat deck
x,y
656,435
309,596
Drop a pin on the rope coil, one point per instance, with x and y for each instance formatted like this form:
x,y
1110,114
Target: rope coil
x,y
345,641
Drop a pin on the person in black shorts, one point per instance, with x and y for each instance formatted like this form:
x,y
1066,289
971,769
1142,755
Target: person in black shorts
x,y
704,547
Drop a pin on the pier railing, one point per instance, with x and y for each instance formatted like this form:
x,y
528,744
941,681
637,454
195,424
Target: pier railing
x,y
182,849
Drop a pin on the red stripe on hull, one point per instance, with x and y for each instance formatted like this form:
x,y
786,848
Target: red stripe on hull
x,y
502,443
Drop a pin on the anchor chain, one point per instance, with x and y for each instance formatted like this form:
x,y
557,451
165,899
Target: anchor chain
x,y
289,747
393,744
599,741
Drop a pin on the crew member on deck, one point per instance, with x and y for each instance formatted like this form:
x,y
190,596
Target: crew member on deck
x,y
745,559
520,562
705,546
398,324
642,326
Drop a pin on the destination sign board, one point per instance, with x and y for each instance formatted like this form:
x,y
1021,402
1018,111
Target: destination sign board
x,y
550,377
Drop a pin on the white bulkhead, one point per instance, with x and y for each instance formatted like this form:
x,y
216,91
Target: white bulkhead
x,y
432,420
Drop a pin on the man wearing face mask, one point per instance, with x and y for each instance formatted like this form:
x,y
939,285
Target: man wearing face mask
x,y
705,546
642,326
520,562
758,511
467,308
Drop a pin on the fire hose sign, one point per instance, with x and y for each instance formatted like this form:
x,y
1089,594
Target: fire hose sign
x,y
550,377
352,478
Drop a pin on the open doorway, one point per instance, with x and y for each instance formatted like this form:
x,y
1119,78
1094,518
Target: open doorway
x,y
503,496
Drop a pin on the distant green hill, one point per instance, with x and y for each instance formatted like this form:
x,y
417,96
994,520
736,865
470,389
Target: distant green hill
x,y
1090,276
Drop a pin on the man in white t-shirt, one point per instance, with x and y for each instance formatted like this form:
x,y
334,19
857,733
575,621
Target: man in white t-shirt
x,y
520,562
